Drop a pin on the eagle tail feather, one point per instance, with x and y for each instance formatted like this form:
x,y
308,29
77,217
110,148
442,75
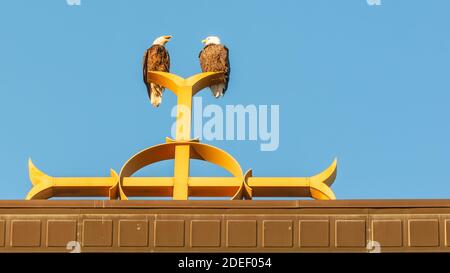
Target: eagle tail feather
x,y
156,94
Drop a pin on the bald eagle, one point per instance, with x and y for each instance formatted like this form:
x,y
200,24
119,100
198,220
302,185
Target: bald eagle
x,y
214,58
156,58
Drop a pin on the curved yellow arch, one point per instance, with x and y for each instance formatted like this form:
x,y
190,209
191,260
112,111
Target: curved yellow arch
x,y
167,151
176,83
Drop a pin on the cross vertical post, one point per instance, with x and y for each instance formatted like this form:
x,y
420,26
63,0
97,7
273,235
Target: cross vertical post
x,y
182,150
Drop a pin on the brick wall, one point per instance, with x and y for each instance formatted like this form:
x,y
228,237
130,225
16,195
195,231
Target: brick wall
x,y
225,226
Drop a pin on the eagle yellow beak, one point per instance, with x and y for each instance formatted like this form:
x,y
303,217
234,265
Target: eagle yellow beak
x,y
168,37
204,41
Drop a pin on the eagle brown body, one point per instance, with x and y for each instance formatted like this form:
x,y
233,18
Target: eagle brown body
x,y
214,58
156,58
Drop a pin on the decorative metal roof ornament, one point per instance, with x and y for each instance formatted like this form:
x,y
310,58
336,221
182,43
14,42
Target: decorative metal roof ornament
x,y
182,186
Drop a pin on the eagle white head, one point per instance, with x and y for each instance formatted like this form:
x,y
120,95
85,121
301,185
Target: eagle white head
x,y
162,40
211,40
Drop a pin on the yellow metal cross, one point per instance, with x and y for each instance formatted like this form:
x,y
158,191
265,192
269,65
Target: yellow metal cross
x,y
181,186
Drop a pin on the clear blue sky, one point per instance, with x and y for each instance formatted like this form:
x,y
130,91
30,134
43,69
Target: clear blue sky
x,y
369,85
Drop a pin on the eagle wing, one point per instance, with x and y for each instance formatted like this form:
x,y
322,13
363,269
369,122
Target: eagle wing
x,y
215,58
156,58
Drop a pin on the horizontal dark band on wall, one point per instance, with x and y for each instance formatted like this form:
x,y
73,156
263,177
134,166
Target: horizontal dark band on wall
x,y
167,204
